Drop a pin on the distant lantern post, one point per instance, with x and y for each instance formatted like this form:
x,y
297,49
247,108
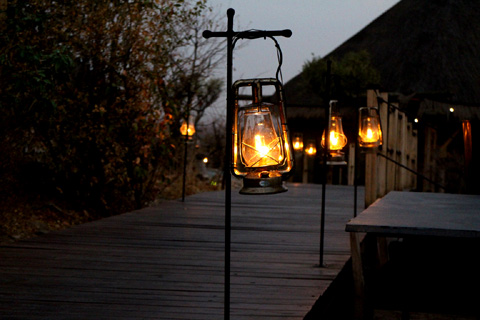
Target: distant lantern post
x,y
187,130
325,159
298,142
309,153
369,138
337,140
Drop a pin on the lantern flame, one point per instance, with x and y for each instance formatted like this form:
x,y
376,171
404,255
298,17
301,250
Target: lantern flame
x,y
187,130
369,134
333,140
311,149
260,146
370,131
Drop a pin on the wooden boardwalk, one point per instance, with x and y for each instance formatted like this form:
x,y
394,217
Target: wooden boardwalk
x,y
167,262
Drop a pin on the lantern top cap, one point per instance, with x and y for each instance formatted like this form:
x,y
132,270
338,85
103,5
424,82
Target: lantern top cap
x,y
257,84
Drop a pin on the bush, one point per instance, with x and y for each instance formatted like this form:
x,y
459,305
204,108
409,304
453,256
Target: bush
x,y
84,97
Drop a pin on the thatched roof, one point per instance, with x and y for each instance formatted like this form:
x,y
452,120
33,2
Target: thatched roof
x,y
423,46
460,112
299,94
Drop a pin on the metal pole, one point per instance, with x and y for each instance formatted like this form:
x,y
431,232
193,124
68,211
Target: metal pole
x,y
325,158
228,177
229,34
355,181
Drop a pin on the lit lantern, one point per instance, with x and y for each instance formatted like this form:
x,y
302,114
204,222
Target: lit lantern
x,y
336,138
369,128
311,149
188,128
298,141
261,152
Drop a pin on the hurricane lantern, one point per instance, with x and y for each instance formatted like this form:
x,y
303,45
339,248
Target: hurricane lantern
x,y
261,152
311,148
298,141
336,138
369,128
188,127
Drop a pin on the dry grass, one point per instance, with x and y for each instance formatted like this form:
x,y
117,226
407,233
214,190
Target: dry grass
x,y
28,215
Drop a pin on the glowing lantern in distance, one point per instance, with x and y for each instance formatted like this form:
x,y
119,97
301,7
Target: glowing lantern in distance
x,y
369,128
188,128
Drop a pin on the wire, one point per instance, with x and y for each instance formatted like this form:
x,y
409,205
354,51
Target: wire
x,y
278,75
250,34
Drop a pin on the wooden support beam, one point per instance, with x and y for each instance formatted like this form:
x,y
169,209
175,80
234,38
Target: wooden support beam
x,y
382,161
370,178
358,277
401,155
375,172
351,164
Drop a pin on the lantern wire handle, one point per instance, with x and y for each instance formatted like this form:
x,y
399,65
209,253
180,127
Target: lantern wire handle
x,y
278,74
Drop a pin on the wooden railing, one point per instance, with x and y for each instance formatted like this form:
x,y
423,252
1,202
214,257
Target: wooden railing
x,y
385,168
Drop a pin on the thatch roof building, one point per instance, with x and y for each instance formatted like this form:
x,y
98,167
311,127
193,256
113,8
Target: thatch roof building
x,y
425,46
420,46
427,53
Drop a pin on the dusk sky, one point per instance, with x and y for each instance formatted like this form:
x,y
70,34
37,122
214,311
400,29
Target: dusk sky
x,y
318,27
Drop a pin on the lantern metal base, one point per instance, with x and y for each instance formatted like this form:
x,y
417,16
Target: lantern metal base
x,y
369,149
336,159
258,184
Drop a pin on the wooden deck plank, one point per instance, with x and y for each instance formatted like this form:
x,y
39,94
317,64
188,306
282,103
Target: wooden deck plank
x,y
167,261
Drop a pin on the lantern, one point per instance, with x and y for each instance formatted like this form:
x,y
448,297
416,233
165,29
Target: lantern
x,y
187,127
369,128
298,141
336,138
261,152
311,149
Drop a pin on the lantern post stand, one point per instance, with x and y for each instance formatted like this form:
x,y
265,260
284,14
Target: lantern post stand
x,y
185,159
355,163
230,34
325,158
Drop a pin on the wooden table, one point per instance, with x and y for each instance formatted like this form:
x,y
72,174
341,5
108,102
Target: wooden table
x,y
411,214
